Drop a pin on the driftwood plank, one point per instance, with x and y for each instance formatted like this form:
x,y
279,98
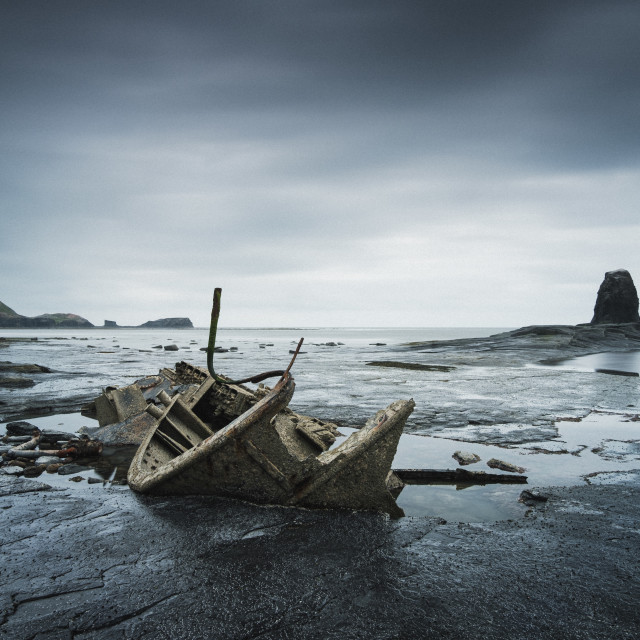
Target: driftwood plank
x,y
456,476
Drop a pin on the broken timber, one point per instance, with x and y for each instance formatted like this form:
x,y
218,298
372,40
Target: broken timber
x,y
75,448
456,476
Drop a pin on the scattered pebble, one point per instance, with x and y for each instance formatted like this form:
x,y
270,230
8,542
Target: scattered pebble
x,y
12,471
531,497
494,463
68,469
34,471
464,458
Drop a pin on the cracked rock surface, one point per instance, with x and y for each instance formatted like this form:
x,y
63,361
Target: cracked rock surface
x,y
110,564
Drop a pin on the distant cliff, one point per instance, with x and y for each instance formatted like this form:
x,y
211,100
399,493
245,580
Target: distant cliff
x,y
168,323
9,319
163,323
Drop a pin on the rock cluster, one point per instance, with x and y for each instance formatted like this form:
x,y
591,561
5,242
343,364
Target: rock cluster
x,y
617,300
7,380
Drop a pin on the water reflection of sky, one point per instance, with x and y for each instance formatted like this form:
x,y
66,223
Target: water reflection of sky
x,y
615,360
562,462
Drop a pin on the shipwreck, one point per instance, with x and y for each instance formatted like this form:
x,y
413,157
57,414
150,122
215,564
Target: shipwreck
x,y
218,437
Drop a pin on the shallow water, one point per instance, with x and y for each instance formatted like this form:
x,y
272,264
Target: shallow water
x,y
332,382
613,360
563,462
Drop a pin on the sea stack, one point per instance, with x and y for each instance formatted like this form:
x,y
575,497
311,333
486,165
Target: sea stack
x,y
617,299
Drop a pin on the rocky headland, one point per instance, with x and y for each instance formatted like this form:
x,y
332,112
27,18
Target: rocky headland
x,y
537,344
615,327
9,319
162,323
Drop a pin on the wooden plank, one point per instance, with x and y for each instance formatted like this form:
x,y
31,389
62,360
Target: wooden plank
x,y
170,442
456,476
267,465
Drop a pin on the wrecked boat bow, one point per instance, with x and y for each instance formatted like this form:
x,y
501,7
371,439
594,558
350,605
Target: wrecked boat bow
x,y
221,439
267,454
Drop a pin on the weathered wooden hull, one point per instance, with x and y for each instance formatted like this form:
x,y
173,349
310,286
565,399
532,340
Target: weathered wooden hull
x,y
212,460
262,456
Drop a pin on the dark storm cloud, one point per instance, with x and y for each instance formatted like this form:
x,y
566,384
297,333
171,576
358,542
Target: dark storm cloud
x,y
566,71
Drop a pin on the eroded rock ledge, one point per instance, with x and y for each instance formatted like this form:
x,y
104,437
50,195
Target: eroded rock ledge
x,y
534,344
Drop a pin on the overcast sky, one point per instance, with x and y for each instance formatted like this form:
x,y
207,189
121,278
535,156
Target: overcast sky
x,y
327,163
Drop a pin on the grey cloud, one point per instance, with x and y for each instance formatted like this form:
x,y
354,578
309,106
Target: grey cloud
x,y
278,69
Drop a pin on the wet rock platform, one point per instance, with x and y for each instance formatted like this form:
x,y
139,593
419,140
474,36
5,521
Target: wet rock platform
x,y
105,563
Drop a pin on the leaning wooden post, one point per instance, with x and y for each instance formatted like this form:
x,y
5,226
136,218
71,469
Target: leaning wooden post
x,y
213,329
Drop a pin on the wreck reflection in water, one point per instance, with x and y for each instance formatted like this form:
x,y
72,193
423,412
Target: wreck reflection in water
x,y
457,503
